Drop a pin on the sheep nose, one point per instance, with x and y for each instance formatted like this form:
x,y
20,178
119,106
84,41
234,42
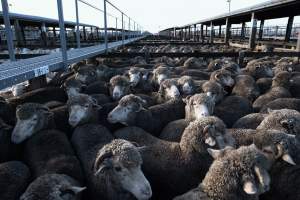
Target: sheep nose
x,y
204,114
147,191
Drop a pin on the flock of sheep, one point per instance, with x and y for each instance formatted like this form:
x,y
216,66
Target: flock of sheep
x,y
165,128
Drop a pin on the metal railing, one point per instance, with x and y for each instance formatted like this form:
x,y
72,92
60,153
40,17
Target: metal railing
x,y
134,30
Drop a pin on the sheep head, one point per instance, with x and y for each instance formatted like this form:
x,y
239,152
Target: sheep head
x,y
134,76
214,89
31,118
223,77
86,75
119,87
73,87
81,109
198,106
160,74
120,161
237,174
276,145
207,132
126,110
168,89
186,85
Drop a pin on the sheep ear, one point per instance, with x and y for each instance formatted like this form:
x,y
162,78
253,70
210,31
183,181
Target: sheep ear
x,y
287,158
215,153
74,190
250,188
95,104
186,99
103,162
217,76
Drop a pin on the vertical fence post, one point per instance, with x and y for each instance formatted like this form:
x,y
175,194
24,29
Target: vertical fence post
x,y
8,31
123,29
117,33
62,33
77,25
129,28
105,27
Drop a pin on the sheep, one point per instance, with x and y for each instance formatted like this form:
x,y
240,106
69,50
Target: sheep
x,y
197,106
232,67
284,120
131,112
8,150
280,89
174,167
186,85
224,78
159,75
233,108
264,84
112,167
195,74
15,177
105,73
42,95
168,90
119,87
215,89
49,151
281,103
53,186
98,87
250,121
283,150
245,86
260,68
31,118
295,85
73,87
86,75
235,175
215,65
82,109
194,63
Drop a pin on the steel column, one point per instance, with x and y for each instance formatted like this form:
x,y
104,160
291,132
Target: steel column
x,y
18,33
195,31
227,31
289,29
8,31
298,43
123,36
243,30
117,29
251,44
220,31
77,25
211,38
105,27
261,29
62,32
201,33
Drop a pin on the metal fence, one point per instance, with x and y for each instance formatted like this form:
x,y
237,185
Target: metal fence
x,y
125,28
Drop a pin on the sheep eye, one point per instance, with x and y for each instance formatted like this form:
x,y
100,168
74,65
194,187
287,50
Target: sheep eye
x,y
118,169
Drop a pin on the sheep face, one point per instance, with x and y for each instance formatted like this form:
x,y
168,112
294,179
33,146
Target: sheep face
x,y
126,110
282,79
223,77
161,74
276,145
73,87
53,186
199,106
31,118
237,174
207,132
119,87
215,65
285,120
86,75
186,85
81,108
233,68
192,63
134,76
260,69
120,161
168,89
214,89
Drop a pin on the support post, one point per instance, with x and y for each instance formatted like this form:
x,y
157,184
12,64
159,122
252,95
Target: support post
x,y
195,32
105,27
227,31
220,31
201,33
174,32
18,33
116,29
251,44
123,29
261,29
62,32
77,25
211,38
289,29
8,31
298,43
243,30
43,34
84,33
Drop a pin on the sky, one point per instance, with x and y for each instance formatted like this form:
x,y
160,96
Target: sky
x,y
152,15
